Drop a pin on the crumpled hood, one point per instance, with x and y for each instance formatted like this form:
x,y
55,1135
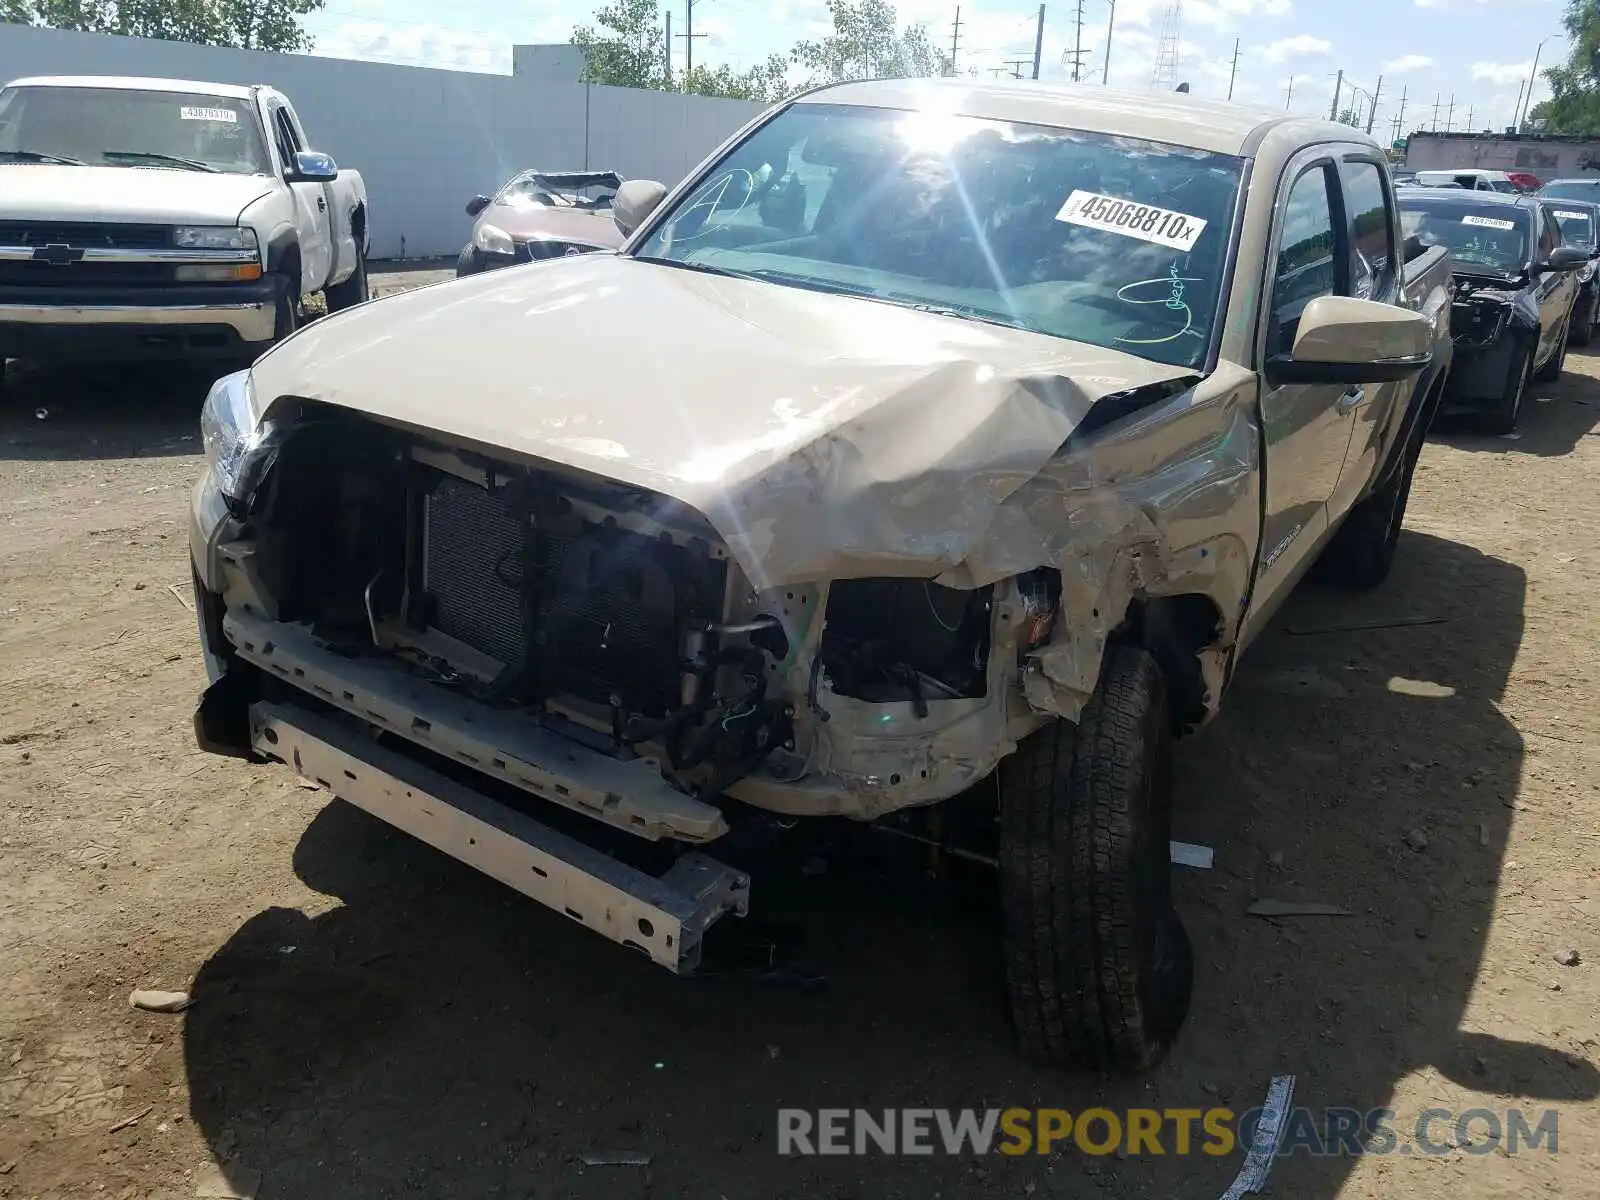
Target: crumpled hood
x,y
524,221
157,196
823,436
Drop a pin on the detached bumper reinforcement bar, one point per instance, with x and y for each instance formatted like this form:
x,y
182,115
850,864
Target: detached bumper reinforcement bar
x,y
665,917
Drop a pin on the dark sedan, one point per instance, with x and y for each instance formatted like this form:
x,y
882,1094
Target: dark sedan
x,y
1580,227
1514,289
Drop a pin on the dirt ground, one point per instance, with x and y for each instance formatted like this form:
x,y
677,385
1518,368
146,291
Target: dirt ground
x,y
374,1020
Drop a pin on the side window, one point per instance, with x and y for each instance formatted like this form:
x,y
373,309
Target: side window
x,y
283,132
1549,234
1367,204
1307,263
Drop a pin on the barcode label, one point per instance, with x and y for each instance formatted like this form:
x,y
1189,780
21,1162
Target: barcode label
x,y
1162,226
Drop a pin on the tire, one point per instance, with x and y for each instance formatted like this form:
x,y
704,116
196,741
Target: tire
x,y
1584,333
288,319
467,262
1099,970
352,291
1362,551
1502,418
1551,371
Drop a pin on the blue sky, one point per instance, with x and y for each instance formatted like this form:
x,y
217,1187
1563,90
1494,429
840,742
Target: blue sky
x,y
1479,51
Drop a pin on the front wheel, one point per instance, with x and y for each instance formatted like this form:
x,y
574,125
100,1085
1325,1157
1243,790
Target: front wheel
x,y
352,291
467,262
1502,417
1099,969
1551,371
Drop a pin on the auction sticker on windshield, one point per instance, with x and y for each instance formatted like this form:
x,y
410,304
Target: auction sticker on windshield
x,y
1489,222
1571,216
209,114
1146,222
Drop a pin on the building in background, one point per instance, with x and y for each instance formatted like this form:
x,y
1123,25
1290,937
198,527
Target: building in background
x,y
1546,157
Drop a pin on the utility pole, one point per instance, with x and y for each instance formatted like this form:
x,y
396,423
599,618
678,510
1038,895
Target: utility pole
x,y
1016,65
1449,114
1401,116
1038,42
1373,111
1470,111
669,49
1517,107
1436,112
1077,46
1105,70
1527,99
688,39
1289,99
1333,109
955,40
1233,71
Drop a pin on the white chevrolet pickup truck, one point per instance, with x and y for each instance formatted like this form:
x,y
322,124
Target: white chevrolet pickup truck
x,y
146,218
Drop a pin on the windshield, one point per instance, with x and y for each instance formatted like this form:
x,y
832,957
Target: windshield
x,y
1577,226
590,193
1572,189
1113,241
1491,236
120,127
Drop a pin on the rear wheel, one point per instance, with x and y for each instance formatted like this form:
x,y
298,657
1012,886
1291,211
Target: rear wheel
x,y
1502,418
1099,969
1362,552
467,261
352,291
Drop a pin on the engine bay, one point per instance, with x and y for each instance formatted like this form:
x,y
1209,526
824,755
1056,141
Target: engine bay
x,y
610,614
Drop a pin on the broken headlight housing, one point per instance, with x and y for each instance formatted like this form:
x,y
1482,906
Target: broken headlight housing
x,y
238,448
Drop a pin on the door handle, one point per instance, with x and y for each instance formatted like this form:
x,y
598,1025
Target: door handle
x,y
1350,399
322,205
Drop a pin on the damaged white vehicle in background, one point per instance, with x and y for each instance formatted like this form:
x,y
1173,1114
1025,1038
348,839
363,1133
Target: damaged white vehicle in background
x,y
910,458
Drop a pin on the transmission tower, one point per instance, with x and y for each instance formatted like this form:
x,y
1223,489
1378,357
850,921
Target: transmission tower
x,y
1165,76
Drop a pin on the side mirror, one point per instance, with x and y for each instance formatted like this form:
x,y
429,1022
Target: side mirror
x,y
477,204
1349,341
1564,258
312,166
635,200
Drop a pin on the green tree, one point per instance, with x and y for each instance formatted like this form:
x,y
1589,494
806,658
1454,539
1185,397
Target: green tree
x,y
766,82
868,43
626,47
1574,105
248,24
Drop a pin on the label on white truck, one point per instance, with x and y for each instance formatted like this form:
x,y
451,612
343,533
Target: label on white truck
x,y
226,115
1146,222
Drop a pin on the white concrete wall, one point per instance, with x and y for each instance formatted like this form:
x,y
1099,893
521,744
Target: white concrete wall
x,y
1548,158
424,140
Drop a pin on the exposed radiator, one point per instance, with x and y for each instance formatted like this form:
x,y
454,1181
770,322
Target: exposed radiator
x,y
609,604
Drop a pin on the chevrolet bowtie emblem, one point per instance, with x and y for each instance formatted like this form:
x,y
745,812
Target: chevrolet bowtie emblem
x,y
58,254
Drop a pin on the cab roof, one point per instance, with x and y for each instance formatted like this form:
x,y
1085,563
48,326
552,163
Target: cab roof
x,y
1471,199
140,83
1175,118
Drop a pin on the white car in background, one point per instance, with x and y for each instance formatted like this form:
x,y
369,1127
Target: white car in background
x,y
1472,179
166,218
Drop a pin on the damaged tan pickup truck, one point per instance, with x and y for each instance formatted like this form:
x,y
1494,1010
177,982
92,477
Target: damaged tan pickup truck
x,y
930,441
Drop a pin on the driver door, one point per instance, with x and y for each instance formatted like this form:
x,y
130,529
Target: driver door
x,y
312,218
1307,427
